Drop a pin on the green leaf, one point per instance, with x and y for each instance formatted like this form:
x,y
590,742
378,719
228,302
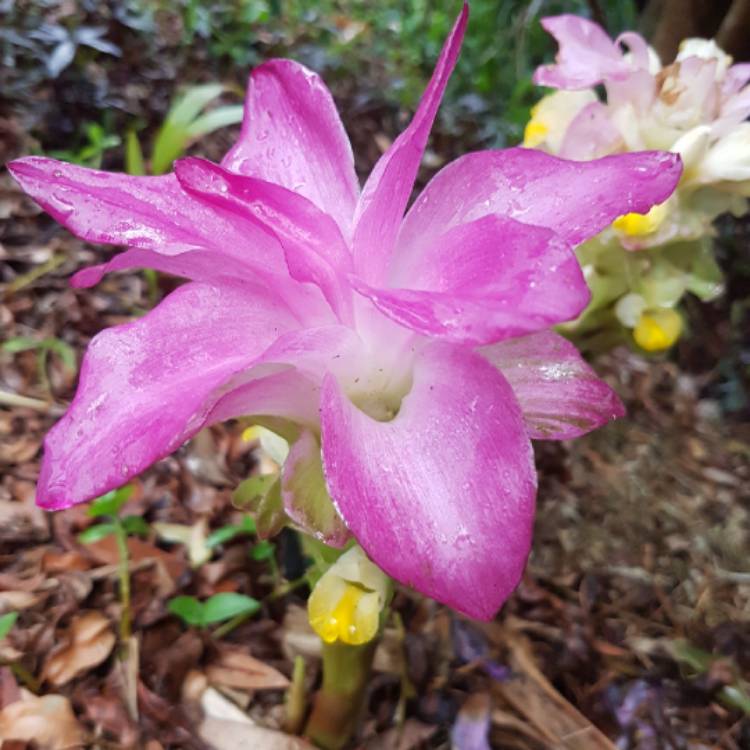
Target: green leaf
x,y
188,106
262,550
226,605
735,697
97,532
134,162
21,344
227,533
7,622
188,609
63,350
251,490
170,143
110,504
135,525
174,135
217,118
216,608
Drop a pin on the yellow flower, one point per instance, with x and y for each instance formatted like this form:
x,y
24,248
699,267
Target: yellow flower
x,y
346,603
657,330
534,133
637,225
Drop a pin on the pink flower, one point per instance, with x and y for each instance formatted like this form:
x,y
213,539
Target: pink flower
x,y
687,106
412,353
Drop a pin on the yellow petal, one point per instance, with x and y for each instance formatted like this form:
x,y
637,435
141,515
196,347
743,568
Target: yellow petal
x,y
346,602
657,330
637,225
341,610
534,133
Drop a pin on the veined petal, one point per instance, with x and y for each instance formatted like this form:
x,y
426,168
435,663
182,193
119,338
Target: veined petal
x,y
560,395
292,136
442,496
313,246
147,386
587,55
150,213
574,199
483,281
385,194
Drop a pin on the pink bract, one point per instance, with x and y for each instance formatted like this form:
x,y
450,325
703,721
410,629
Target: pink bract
x,y
414,347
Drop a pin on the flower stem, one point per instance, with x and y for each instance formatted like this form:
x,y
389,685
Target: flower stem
x,y
123,572
338,703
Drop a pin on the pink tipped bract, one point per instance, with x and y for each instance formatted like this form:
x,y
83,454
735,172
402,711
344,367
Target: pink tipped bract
x,y
416,348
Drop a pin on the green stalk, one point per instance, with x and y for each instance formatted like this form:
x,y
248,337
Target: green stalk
x,y
123,572
339,702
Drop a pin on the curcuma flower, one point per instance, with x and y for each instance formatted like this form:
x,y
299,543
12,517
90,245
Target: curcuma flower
x,y
346,603
407,359
696,107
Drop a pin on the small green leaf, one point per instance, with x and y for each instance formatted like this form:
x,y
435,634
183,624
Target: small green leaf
x,y
227,533
97,532
188,609
170,144
63,350
174,135
735,697
262,550
7,622
250,490
226,605
134,162
20,344
110,504
135,525
217,118
189,105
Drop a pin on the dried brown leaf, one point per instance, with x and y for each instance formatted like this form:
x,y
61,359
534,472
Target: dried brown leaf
x,y
88,642
226,727
48,720
237,669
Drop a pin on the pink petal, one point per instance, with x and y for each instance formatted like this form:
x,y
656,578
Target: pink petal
x,y
575,199
203,265
385,194
587,55
151,213
146,387
638,48
560,395
483,281
591,134
281,392
314,249
285,379
442,496
736,78
292,136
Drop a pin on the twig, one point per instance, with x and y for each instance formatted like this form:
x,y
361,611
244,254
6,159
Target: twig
x,y
25,402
